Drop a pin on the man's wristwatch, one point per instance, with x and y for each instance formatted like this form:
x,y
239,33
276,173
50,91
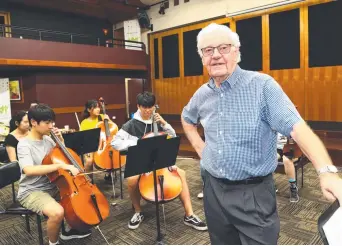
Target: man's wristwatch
x,y
327,169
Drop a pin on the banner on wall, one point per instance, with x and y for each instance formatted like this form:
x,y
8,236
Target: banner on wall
x,y
132,33
5,101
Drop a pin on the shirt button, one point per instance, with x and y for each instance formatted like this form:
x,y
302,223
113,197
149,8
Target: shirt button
x,y
221,94
221,113
219,151
220,132
221,170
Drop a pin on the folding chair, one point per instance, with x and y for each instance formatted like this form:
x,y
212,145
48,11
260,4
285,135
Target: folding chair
x,y
9,174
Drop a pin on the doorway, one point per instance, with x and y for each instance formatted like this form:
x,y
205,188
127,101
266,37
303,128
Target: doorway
x,y
5,20
133,88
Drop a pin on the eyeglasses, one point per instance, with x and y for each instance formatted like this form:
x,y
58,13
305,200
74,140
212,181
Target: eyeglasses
x,y
222,49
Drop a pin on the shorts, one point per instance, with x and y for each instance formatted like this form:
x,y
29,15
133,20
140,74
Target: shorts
x,y
38,200
280,155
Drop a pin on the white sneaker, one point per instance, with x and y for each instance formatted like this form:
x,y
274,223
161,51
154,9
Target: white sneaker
x,y
200,195
135,221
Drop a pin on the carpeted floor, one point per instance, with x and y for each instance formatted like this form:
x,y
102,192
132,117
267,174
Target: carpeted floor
x,y
298,220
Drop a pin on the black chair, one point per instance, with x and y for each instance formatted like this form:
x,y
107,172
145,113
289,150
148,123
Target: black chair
x,y
299,163
3,153
9,174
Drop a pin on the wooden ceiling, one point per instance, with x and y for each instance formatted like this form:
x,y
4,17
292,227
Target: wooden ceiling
x,y
112,10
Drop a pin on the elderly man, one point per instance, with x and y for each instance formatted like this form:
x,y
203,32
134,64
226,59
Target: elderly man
x,y
241,112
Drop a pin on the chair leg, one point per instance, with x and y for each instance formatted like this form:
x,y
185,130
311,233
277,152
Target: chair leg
x,y
40,231
27,219
13,193
121,192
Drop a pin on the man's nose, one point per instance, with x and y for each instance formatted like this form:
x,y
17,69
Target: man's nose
x,y
216,53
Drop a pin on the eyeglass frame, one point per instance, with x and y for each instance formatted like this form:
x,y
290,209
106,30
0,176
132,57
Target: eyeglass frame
x,y
216,47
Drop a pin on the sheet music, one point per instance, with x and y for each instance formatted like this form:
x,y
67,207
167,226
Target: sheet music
x,y
333,228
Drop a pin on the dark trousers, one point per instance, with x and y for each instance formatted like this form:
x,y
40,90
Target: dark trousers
x,y
241,213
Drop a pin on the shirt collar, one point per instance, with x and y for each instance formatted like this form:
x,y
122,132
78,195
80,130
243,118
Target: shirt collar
x,y
230,81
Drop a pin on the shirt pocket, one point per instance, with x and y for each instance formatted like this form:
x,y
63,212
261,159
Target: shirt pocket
x,y
242,125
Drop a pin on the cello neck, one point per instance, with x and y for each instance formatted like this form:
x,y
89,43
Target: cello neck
x,y
65,151
102,103
155,126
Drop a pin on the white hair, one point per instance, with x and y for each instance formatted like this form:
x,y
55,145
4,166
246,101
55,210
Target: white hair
x,y
214,35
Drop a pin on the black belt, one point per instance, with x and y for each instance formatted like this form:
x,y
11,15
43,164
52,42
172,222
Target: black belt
x,y
253,180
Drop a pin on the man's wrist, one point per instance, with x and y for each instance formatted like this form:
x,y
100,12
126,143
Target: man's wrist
x,y
327,169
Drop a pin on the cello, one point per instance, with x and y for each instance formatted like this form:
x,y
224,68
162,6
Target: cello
x,y
84,204
169,184
106,157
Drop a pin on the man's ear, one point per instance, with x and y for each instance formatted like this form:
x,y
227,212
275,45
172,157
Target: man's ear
x,y
33,122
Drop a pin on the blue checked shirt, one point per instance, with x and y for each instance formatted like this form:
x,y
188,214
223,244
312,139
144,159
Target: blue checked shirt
x,y
241,119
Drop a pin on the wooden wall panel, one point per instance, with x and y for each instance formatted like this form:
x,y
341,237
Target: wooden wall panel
x,y
324,94
315,91
67,93
293,82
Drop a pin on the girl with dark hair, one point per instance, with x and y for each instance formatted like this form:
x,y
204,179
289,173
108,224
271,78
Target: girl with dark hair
x,y
19,128
91,117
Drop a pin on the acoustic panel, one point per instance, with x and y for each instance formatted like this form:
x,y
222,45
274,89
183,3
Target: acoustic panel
x,y
250,33
284,40
325,36
192,61
170,56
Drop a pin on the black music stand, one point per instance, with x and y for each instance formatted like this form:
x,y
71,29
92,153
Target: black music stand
x,y
149,155
324,219
83,142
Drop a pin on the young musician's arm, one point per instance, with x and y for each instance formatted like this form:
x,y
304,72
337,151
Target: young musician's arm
x,y
40,170
166,126
122,140
169,130
27,165
12,156
11,142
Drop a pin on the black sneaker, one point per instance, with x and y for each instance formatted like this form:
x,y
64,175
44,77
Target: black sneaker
x,y
195,222
294,197
72,234
135,221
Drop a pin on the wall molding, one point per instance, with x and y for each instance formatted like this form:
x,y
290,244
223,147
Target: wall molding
x,y
68,110
44,63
